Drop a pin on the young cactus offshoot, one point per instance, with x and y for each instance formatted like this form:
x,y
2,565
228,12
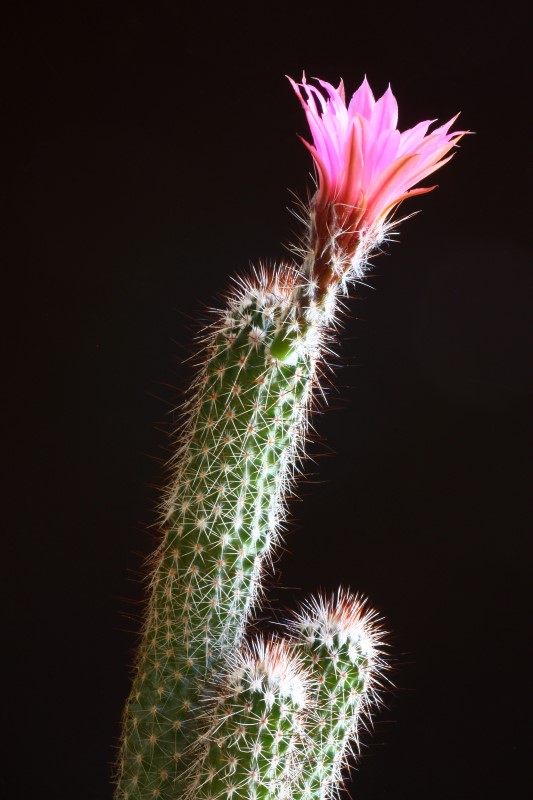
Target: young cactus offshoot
x,y
244,425
341,644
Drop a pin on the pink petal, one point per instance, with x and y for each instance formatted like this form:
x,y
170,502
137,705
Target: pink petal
x,y
443,130
410,138
362,101
352,177
388,182
386,149
424,173
385,113
405,196
323,184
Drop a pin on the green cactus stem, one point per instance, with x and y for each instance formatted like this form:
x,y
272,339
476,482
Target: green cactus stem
x,y
246,421
341,646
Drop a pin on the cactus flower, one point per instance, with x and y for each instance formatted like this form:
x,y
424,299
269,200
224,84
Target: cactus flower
x,y
366,167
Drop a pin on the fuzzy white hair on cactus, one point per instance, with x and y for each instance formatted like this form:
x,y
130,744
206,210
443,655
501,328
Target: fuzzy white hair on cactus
x,y
345,616
270,667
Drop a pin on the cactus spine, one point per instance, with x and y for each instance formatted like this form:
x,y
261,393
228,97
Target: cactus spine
x,y
247,418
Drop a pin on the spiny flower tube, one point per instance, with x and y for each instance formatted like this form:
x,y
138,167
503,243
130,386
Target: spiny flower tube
x,y
366,167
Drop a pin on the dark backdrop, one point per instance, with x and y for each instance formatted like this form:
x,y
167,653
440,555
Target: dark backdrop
x,y
152,149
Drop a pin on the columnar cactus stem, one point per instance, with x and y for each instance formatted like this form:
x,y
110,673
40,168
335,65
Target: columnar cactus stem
x,y
255,728
247,419
341,646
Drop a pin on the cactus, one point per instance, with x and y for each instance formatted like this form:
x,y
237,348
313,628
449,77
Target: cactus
x,y
210,716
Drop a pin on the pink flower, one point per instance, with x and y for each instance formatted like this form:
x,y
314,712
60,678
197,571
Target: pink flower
x,y
366,167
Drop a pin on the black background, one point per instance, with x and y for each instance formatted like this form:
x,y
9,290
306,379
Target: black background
x,y
152,151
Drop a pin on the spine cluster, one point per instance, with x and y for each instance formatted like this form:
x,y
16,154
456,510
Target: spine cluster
x,y
245,425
